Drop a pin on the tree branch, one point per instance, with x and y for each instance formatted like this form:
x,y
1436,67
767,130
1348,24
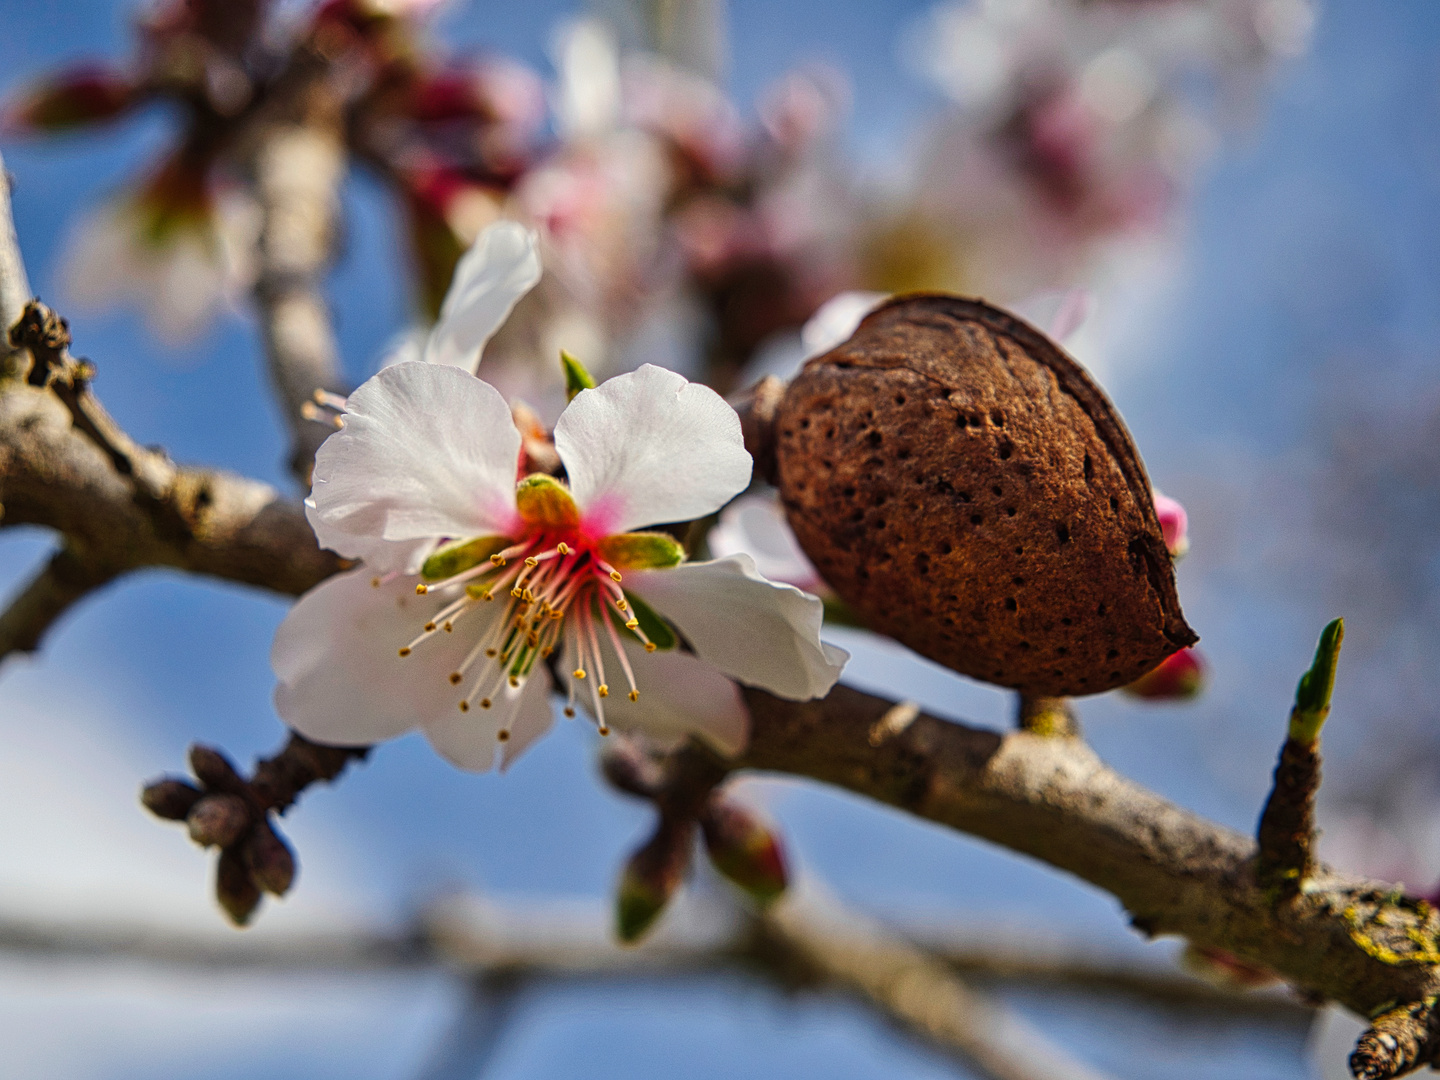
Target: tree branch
x,y
298,163
916,991
65,579
55,474
1175,872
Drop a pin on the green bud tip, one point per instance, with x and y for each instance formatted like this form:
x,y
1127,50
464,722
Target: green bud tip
x,y
1312,696
577,378
636,909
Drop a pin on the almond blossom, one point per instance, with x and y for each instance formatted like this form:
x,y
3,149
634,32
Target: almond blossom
x,y
474,583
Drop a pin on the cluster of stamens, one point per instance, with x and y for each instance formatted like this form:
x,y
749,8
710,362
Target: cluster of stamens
x,y
554,592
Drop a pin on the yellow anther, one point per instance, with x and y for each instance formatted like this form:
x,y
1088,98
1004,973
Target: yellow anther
x,y
563,548
484,702
633,624
517,592
579,673
532,639
622,605
514,681
421,589
455,678
487,595
498,560
429,627
405,651
374,582
569,712
615,576
634,695
464,706
604,730
649,646
531,561
603,690
503,735
546,652
449,626
492,653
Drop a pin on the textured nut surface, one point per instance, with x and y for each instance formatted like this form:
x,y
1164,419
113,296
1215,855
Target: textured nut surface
x,y
966,487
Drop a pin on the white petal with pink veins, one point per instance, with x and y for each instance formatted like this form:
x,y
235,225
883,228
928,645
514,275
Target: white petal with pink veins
x,y
426,452
501,267
648,447
753,630
342,680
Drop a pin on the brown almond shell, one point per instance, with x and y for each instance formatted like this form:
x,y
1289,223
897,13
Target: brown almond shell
x,y
966,487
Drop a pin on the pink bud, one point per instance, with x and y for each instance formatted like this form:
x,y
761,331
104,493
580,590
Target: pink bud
x,y
84,95
652,876
743,849
1179,677
1174,524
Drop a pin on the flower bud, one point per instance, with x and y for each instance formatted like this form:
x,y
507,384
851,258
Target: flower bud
x,y
170,798
84,95
1179,677
651,878
213,769
744,849
1174,524
218,820
234,888
269,860
966,488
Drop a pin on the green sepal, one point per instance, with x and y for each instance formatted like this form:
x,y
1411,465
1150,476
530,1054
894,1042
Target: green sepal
x,y
1312,696
655,628
641,551
544,501
577,378
460,555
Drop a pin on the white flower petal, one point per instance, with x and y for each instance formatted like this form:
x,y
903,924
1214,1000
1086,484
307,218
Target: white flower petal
x,y
755,525
753,630
649,447
501,266
342,680
381,556
469,740
465,739
534,715
836,320
426,452
680,695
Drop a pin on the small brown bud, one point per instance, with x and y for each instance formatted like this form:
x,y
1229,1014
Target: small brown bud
x,y
270,861
170,798
213,769
234,888
966,488
218,820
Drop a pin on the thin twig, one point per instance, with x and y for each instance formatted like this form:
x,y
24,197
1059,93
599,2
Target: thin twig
x,y
917,992
298,168
65,579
